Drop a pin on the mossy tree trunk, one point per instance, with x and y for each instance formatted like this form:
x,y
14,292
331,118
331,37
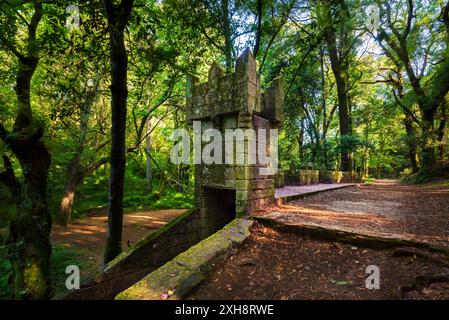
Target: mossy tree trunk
x,y
338,65
29,248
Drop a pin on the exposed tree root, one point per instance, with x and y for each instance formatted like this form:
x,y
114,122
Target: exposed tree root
x,y
423,281
421,254
359,239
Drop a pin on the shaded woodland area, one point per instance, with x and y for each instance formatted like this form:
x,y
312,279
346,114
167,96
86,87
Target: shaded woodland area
x,y
88,104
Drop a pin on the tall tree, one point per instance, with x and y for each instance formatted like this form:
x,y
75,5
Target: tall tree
x,y
118,16
394,37
336,14
29,231
76,170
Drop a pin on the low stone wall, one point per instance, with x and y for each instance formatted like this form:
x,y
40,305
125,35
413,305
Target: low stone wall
x,y
279,179
146,256
351,177
331,176
357,177
178,277
307,177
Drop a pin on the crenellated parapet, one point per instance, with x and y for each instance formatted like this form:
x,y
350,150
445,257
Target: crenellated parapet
x,y
237,92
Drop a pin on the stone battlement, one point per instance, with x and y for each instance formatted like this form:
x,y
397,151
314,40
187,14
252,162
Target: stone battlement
x,y
238,92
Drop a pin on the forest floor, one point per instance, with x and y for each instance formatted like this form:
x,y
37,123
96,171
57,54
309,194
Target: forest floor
x,y
385,208
274,264
89,234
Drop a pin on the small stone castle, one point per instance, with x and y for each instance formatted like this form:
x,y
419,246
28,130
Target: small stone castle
x,y
232,101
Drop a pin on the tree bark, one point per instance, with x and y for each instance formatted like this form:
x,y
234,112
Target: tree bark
x,y
74,170
259,27
428,141
411,142
408,124
340,79
29,248
65,210
149,167
442,130
227,34
117,16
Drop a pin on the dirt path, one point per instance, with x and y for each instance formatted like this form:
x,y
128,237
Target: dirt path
x,y
385,208
276,265
90,233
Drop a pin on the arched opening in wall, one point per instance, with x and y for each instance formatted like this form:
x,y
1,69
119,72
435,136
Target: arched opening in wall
x,y
218,207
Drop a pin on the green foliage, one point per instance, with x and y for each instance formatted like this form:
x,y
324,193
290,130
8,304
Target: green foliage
x,y
425,175
170,200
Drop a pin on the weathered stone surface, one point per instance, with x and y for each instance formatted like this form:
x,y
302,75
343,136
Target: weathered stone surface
x,y
177,277
273,100
234,101
307,177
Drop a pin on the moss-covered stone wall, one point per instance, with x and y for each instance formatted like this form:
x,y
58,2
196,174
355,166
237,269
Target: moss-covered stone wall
x,y
146,256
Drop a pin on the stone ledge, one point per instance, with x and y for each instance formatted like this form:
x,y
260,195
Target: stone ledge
x,y
179,276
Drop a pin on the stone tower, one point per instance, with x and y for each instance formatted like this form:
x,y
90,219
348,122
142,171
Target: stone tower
x,y
234,101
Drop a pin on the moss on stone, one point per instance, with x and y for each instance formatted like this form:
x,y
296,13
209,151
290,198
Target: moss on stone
x,y
151,237
189,268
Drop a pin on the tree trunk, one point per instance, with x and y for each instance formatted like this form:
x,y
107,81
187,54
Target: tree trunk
x,y
118,16
149,167
30,251
301,143
29,248
428,141
68,197
343,110
411,142
74,174
409,128
227,33
441,131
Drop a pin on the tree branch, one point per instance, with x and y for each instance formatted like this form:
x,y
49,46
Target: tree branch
x,y
11,47
409,20
445,16
407,110
259,27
